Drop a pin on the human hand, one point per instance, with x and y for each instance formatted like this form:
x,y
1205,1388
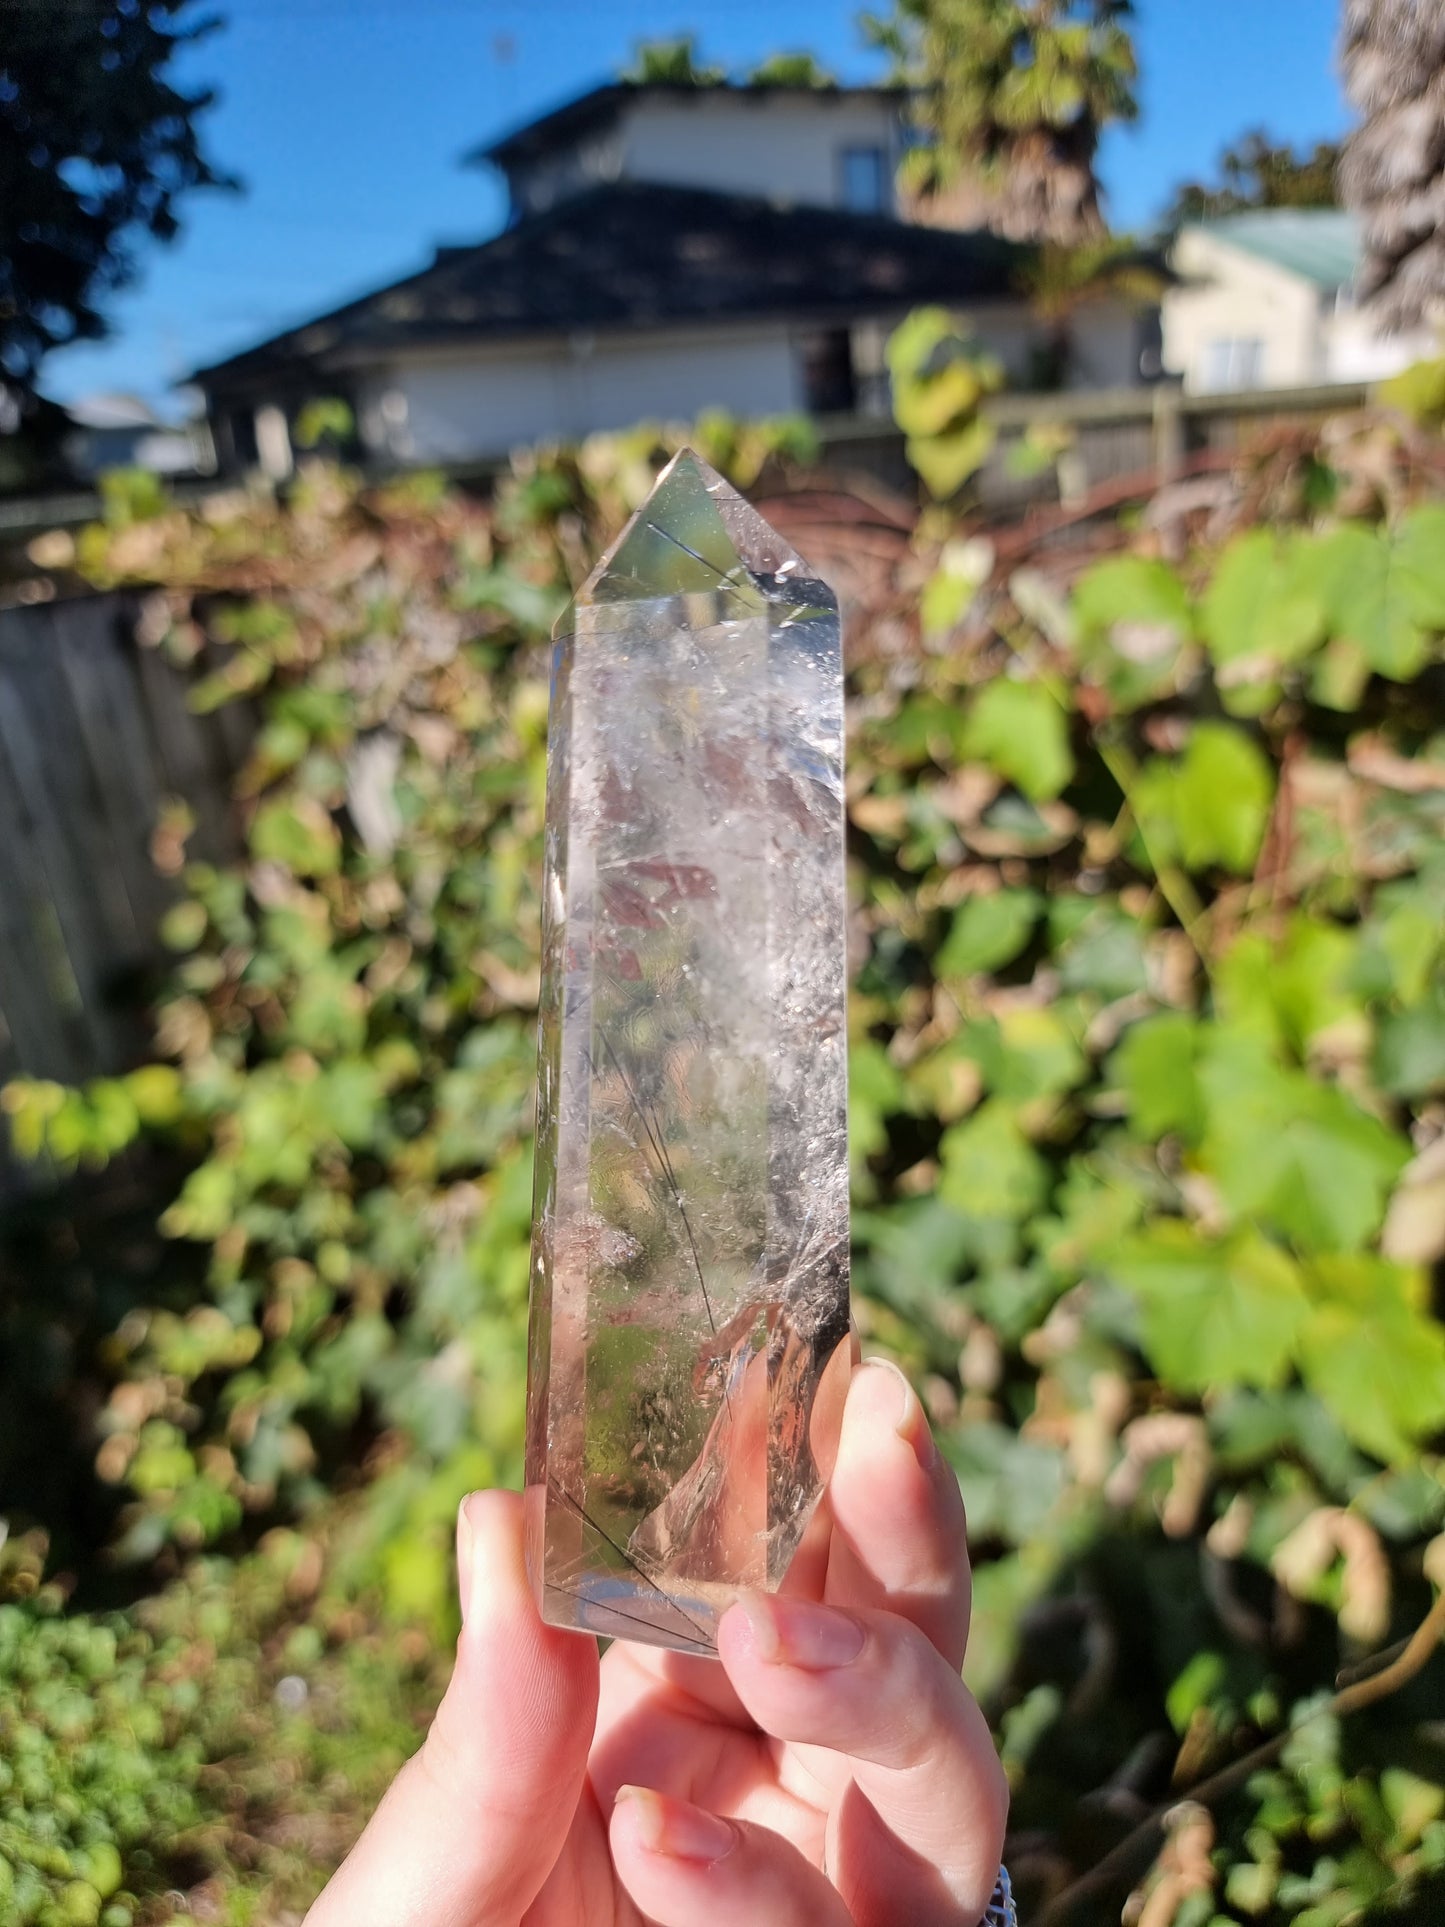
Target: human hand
x,y
832,1772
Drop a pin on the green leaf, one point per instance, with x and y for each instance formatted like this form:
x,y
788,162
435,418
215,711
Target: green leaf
x,y
1339,675
158,1094
1292,989
1420,563
328,1011
349,1097
184,925
1214,1313
925,726
1156,1066
1020,730
945,461
1133,622
534,607
1010,1485
1092,1212
938,380
1365,599
988,931
1261,609
990,1170
1222,798
1103,951
1400,942
1374,1357
876,1091
1410,1048
1412,1803
1295,1154
1212,805
1200,1682
298,833
1418,391
1035,1054
915,1251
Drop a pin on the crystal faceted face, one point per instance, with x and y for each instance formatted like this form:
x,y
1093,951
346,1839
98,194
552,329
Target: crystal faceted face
x,y
689,1320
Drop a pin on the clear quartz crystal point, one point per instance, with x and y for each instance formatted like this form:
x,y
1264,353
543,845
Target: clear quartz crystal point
x,y
689,1324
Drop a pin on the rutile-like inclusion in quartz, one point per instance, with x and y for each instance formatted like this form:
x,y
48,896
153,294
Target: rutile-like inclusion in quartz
x,y
688,1347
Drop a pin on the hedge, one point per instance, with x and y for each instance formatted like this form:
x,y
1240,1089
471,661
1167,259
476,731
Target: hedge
x,y
1148,1065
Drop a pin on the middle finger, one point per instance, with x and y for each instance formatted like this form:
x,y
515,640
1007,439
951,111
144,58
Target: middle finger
x,y
899,1539
924,1843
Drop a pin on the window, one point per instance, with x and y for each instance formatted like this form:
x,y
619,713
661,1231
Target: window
x,y
1232,362
863,173
829,387
238,434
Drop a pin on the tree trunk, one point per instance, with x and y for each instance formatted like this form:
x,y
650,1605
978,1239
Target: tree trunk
x,y
1393,168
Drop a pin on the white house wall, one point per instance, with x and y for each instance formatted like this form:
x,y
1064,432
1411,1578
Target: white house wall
x,y
1228,295
769,145
1355,350
470,405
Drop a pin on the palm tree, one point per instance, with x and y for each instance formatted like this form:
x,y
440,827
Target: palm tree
x,y
1393,169
1011,97
1058,282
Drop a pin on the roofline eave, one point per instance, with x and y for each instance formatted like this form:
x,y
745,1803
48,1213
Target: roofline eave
x,y
351,357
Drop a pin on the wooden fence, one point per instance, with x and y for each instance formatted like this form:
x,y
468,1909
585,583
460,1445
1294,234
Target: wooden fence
x,y
1116,432
1113,432
95,734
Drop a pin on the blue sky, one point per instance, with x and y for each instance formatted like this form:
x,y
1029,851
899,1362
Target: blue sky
x,y
347,119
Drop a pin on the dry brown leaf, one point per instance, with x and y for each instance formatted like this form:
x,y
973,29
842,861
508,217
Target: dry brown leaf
x,y
1165,1435
1182,1870
1329,1533
1414,1232
1372,758
880,815
519,987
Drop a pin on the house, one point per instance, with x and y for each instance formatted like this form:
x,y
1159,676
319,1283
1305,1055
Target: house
x,y
121,431
669,249
1265,299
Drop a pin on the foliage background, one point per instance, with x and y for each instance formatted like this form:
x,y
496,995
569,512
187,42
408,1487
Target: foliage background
x,y
1148,1135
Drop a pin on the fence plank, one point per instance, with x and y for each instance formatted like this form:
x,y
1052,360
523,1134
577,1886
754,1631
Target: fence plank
x,y
101,676
191,755
38,994
94,733
68,832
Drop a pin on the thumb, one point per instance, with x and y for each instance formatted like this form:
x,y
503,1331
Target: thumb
x,y
474,1822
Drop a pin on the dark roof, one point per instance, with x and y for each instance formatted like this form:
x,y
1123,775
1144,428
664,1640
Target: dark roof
x,y
634,255
599,105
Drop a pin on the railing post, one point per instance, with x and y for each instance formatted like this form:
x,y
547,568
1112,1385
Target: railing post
x,y
1169,450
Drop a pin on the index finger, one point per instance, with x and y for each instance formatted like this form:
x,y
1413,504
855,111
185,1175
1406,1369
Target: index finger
x,y
899,1534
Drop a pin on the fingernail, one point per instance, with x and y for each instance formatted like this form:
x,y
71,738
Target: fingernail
x,y
464,1558
911,1421
673,1828
793,1632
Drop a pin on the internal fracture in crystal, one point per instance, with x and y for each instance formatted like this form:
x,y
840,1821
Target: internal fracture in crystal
x,y
688,1345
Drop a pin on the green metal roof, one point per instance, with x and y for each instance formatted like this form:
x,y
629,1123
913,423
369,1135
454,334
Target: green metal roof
x,y
1322,244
